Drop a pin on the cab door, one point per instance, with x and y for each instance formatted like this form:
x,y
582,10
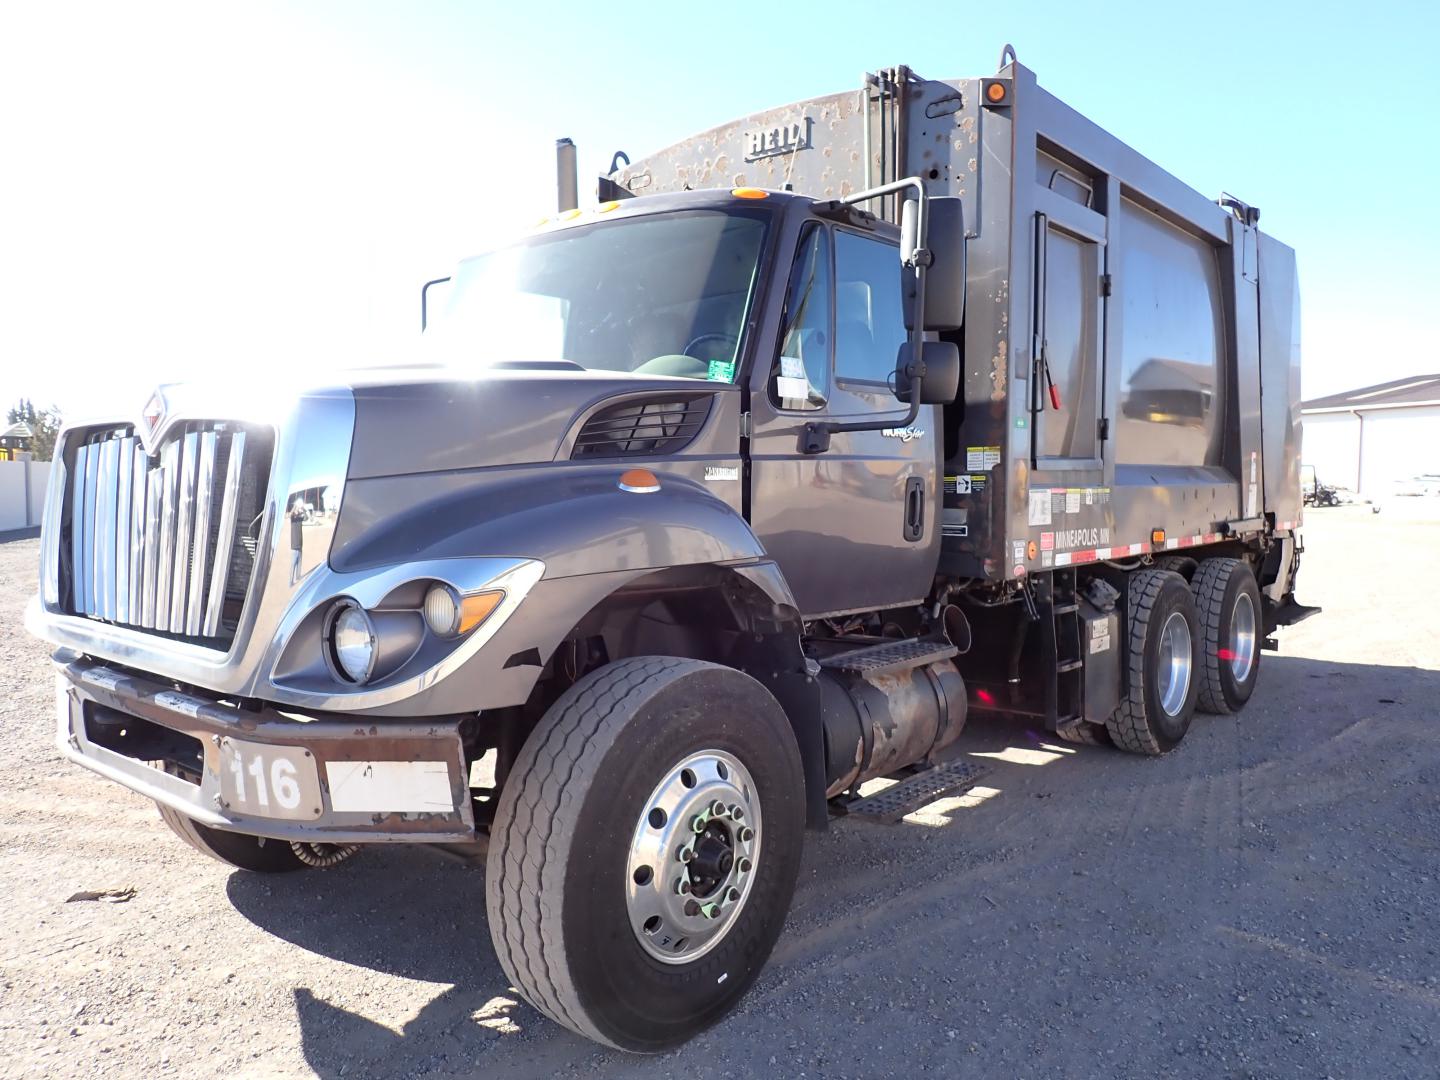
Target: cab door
x,y
852,528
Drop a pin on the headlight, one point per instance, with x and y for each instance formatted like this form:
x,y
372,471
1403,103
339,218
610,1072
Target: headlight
x,y
447,614
352,641
442,610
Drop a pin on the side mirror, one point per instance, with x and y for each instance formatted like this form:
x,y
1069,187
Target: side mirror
x,y
945,277
941,384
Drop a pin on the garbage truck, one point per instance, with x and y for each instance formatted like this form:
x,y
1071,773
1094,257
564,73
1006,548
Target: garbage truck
x,y
703,507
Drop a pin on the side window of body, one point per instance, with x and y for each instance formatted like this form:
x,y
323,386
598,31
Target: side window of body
x,y
800,376
869,316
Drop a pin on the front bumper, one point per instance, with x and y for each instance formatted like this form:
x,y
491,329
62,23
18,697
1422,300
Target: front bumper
x,y
400,763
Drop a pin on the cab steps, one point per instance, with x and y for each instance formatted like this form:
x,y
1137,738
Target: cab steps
x,y
889,656
916,790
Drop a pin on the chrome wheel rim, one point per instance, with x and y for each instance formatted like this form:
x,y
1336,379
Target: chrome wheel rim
x,y
693,856
1173,667
1242,637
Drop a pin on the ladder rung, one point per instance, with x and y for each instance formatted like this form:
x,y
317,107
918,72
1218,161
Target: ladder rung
x,y
1066,609
1069,665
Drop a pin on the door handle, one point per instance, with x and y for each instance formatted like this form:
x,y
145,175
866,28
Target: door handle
x,y
914,508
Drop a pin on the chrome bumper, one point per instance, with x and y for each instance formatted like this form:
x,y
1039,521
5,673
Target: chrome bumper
x,y
82,686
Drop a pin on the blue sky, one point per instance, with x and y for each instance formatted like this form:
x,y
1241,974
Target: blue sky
x,y
193,189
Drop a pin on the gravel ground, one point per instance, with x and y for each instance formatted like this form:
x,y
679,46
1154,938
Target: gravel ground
x,y
1260,903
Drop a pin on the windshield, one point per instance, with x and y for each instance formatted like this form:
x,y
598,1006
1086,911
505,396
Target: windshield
x,y
663,294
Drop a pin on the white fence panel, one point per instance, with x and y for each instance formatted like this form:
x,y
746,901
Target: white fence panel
x,y
22,493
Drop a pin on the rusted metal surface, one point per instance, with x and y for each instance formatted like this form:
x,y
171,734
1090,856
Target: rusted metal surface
x,y
818,147
335,739
907,716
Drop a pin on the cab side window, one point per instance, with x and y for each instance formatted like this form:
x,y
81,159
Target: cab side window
x,y
800,376
869,317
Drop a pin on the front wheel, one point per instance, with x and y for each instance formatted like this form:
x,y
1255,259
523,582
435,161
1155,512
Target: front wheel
x,y
645,850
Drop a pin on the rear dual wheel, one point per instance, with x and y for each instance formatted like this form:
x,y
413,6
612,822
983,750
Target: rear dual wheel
x,y
645,850
1228,604
1160,685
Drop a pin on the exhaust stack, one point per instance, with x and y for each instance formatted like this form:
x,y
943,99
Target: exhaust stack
x,y
567,177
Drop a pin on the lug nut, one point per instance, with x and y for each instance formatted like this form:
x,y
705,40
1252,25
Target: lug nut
x,y
692,908
697,823
717,809
736,812
733,895
747,834
682,885
745,866
710,911
685,854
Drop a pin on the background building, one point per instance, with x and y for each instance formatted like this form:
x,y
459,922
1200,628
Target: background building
x,y
1367,439
15,440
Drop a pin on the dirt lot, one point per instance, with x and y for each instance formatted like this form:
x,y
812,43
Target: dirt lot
x,y
1262,902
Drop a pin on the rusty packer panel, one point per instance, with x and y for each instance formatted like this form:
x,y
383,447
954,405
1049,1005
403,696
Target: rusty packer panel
x,y
1120,326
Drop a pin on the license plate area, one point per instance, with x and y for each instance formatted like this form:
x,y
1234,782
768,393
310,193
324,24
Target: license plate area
x,y
268,781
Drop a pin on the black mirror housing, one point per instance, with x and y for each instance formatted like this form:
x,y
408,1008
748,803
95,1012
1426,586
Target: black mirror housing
x,y
941,384
945,277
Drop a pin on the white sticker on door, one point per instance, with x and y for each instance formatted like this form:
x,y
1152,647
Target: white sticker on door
x,y
1040,507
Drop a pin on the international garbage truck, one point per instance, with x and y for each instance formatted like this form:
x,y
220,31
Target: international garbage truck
x,y
705,505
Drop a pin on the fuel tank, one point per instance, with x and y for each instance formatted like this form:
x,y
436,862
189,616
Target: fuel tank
x,y
876,724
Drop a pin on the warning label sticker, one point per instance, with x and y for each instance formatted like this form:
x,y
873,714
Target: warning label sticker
x,y
981,458
1100,636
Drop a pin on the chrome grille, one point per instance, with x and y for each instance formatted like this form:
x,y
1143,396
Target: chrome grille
x,y
163,543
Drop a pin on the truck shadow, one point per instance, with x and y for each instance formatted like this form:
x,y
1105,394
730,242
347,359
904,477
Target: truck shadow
x,y
408,913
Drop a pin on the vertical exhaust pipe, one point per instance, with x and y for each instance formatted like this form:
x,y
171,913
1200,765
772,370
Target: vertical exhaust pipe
x,y
567,177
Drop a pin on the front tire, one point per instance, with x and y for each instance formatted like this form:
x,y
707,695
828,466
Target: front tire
x,y
636,764
1160,691
1228,602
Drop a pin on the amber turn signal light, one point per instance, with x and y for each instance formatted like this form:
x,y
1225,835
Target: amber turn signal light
x,y
476,609
639,481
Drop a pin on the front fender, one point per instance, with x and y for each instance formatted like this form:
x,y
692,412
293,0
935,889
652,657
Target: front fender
x,y
575,519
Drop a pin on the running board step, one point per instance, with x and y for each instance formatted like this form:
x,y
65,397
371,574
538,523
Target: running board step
x,y
891,656
889,806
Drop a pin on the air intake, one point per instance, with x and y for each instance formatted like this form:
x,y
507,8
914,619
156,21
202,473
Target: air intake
x,y
658,425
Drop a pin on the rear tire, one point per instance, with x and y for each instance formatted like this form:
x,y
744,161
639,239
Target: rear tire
x,y
1228,603
241,850
1086,734
1161,686
589,923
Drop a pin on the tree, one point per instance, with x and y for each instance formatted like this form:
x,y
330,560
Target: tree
x,y
44,424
